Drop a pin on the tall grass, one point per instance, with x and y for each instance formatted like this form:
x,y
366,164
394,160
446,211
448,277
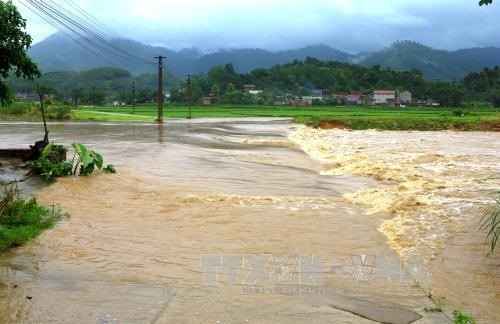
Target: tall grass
x,y
22,220
491,223
16,109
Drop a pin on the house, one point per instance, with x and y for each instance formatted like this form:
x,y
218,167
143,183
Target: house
x,y
405,97
309,100
352,98
299,102
208,100
254,92
249,87
26,97
320,93
383,97
280,101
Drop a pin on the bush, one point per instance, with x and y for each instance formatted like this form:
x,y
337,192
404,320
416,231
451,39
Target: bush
x,y
58,111
52,163
463,318
22,220
16,108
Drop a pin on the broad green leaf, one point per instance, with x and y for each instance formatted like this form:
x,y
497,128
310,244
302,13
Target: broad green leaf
x,y
97,159
47,150
80,149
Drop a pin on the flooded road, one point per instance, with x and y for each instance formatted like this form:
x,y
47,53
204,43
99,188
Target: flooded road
x,y
258,220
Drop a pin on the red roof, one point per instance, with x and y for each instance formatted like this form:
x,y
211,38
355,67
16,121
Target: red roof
x,y
390,92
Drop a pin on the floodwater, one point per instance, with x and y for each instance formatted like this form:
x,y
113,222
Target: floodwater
x,y
257,221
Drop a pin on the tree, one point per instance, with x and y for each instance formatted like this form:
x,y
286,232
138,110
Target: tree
x,y
14,42
485,2
495,98
42,91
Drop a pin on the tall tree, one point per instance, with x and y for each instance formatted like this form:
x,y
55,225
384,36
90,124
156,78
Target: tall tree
x,y
14,42
485,2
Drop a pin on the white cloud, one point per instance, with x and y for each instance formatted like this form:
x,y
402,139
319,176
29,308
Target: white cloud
x,y
352,25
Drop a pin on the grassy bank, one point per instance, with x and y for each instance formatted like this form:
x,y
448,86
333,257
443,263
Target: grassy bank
x,y
409,120
384,118
22,220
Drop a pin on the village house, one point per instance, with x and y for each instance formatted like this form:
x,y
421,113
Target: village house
x,y
249,87
384,97
26,97
352,99
309,100
281,101
254,92
405,97
208,100
320,93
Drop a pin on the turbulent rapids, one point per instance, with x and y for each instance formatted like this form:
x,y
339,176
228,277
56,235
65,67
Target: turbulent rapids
x,y
133,248
433,183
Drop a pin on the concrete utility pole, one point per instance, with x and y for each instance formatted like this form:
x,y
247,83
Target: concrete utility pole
x,y
160,88
133,97
189,95
93,96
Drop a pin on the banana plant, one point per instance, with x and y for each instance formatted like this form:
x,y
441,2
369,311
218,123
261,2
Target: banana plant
x,y
87,160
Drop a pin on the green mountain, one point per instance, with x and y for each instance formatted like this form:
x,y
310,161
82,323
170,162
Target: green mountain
x,y
108,80
484,57
434,64
59,53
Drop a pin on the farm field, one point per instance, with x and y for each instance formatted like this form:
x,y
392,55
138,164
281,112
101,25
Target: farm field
x,y
327,117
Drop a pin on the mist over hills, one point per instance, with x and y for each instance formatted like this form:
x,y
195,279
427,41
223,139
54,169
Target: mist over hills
x,y
59,53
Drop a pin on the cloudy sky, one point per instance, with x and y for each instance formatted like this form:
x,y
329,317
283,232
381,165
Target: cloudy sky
x,y
349,25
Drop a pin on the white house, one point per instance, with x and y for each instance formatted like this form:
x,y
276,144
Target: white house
x,y
382,97
405,97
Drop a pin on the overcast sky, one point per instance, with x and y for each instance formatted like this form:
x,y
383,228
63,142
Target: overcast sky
x,y
348,25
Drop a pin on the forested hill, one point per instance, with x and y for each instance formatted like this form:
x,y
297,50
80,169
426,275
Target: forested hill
x,y
434,64
59,53
108,81
298,78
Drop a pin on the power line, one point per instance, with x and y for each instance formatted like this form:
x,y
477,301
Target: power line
x,y
83,31
76,40
70,23
105,29
90,27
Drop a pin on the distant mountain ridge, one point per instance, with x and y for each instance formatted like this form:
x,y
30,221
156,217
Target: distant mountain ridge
x,y
59,53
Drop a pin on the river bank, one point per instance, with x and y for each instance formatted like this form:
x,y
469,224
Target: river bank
x,y
356,118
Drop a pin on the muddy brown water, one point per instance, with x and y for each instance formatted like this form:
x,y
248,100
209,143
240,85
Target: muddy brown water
x,y
259,220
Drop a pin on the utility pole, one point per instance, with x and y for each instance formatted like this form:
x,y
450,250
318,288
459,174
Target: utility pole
x,y
93,96
189,95
133,97
160,88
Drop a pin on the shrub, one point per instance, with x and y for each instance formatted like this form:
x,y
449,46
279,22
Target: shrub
x,y
58,111
491,222
463,318
52,163
22,220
